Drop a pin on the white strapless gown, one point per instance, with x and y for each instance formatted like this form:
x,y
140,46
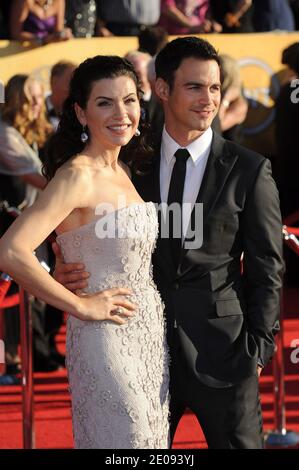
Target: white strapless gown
x,y
119,375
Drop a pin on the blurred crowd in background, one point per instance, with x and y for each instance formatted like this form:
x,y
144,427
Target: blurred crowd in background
x,y
29,115
59,20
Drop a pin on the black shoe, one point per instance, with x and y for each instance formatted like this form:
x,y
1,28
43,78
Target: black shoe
x,y
46,366
59,358
13,369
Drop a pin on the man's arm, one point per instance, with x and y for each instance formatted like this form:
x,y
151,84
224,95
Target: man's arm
x,y
71,275
261,226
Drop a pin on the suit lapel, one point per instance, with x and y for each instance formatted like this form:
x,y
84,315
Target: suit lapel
x,y
218,168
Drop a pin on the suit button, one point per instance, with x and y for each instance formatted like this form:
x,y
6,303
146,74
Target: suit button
x,y
176,285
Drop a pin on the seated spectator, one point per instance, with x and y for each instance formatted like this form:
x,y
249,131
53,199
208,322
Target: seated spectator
x,y
185,17
235,16
59,81
38,21
270,15
81,17
123,18
152,39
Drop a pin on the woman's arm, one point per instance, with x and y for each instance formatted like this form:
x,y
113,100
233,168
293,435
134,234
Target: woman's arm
x,y
61,33
60,15
177,16
18,14
29,230
18,159
67,191
231,19
36,180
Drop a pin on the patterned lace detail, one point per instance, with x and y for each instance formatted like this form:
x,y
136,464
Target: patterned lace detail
x,y
119,375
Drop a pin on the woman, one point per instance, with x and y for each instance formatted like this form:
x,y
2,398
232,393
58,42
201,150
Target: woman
x,y
233,107
116,355
39,21
23,130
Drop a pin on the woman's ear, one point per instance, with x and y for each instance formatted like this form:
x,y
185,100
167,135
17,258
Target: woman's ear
x,y
80,114
162,89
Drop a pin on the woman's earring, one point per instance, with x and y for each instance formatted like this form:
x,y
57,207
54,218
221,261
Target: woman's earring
x,y
137,133
84,135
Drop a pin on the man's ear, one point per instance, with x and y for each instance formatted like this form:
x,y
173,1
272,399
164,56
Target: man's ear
x,y
162,89
80,114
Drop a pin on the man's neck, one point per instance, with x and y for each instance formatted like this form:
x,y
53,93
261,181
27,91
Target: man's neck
x,y
182,137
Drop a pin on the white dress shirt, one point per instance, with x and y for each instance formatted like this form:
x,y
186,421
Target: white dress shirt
x,y
199,151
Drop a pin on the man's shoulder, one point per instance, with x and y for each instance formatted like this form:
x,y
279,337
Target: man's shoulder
x,y
246,157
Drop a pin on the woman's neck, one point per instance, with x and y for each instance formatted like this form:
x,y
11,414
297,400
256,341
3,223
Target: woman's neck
x,y
102,157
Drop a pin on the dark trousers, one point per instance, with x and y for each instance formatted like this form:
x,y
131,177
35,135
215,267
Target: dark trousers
x,y
230,418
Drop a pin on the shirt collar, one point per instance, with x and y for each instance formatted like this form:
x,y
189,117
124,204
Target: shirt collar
x,y
197,149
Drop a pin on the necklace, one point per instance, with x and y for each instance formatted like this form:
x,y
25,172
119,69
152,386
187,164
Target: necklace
x,y
45,5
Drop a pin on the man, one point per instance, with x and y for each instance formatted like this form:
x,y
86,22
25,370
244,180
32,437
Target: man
x,y
221,321
60,77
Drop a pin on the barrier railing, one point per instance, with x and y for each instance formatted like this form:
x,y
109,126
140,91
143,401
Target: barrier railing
x,y
27,370
24,301
281,436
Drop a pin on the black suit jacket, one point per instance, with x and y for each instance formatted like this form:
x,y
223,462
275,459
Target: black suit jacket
x,y
221,320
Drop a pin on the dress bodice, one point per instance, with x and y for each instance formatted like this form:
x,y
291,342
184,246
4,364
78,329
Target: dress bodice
x,y
38,26
116,249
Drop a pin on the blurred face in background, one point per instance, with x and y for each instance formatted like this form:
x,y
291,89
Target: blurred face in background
x,y
140,63
60,88
35,95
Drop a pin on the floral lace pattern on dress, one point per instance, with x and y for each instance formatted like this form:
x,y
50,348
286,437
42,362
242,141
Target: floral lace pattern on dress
x,y
118,374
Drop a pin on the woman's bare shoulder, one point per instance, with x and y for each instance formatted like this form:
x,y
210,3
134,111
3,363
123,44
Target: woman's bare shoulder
x,y
74,178
126,168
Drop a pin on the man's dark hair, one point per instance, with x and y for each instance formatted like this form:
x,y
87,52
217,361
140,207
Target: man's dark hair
x,y
172,55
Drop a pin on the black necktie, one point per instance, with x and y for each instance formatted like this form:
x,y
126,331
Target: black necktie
x,y
175,194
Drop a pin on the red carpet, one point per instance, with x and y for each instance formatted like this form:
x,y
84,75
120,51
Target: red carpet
x,y
52,401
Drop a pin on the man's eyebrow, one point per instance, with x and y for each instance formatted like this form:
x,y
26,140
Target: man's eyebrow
x,y
195,83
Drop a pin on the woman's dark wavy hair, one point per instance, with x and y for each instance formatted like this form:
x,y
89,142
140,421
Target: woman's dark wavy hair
x,y
66,142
